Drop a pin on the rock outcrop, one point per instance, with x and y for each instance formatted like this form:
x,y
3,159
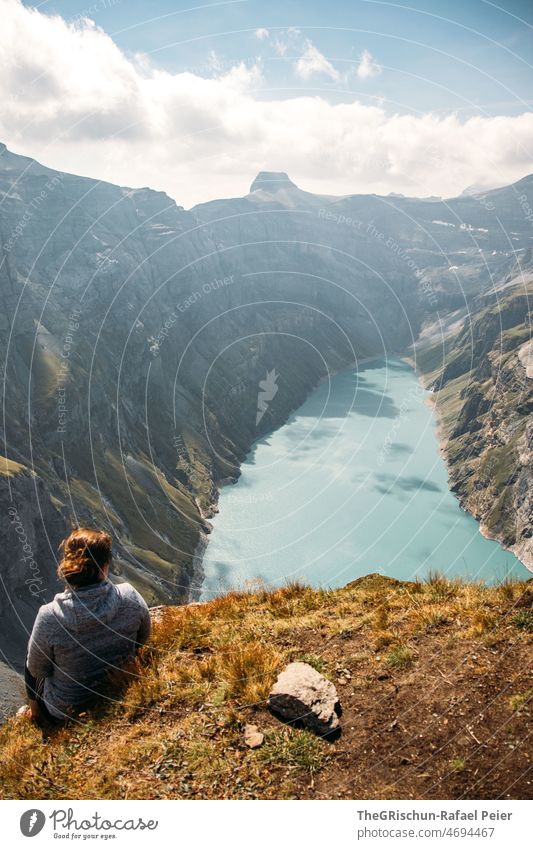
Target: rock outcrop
x,y
483,391
30,528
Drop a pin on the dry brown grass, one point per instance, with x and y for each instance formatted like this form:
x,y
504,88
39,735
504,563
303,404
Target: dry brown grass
x,y
174,727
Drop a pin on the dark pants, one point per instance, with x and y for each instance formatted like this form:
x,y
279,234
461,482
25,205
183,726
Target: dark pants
x,y
34,691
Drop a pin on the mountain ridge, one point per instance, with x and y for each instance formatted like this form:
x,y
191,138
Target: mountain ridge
x,y
280,178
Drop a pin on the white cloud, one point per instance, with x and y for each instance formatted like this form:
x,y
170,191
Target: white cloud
x,y
261,33
367,67
213,61
313,62
280,46
288,38
72,99
241,77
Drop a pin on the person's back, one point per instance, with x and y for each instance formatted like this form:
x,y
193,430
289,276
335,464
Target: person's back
x,y
86,632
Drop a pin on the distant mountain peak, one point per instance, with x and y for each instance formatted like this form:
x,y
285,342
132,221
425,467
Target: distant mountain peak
x,y
271,181
472,191
524,181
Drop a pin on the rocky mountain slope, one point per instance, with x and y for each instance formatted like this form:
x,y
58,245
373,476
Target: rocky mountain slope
x,y
483,389
135,335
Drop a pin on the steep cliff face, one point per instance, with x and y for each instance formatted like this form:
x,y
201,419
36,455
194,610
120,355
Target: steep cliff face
x,y
136,335
30,524
483,389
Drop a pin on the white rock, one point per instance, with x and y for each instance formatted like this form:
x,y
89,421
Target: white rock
x,y
303,695
253,737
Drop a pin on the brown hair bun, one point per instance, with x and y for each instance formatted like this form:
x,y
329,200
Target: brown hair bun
x,y
85,551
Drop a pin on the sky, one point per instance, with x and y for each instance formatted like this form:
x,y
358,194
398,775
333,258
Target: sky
x,y
347,96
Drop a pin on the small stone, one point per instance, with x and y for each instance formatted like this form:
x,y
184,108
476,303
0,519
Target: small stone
x,y
303,695
253,737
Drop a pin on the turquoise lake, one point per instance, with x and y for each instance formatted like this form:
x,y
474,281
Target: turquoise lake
x,y
353,483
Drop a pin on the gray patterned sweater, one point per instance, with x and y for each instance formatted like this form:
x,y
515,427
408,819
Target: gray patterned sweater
x,y
81,635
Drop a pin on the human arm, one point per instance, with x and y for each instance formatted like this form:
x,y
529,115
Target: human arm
x,y
145,627
39,661
32,693
40,657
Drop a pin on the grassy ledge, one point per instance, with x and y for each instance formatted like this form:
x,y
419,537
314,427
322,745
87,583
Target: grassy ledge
x,y
434,680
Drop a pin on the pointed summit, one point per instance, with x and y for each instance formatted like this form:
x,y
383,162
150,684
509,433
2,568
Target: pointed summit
x,y
271,181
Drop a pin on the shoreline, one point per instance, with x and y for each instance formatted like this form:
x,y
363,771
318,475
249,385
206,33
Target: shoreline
x,y
197,579
441,443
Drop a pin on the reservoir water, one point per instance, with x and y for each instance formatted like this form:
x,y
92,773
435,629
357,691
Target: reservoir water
x,y
353,483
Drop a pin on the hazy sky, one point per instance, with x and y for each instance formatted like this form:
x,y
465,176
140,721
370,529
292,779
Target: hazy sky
x,y
194,99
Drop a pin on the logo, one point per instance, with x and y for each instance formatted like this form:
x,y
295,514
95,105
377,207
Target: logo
x,y
267,391
32,822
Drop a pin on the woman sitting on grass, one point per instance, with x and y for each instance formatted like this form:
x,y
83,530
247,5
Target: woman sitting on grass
x,y
85,633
